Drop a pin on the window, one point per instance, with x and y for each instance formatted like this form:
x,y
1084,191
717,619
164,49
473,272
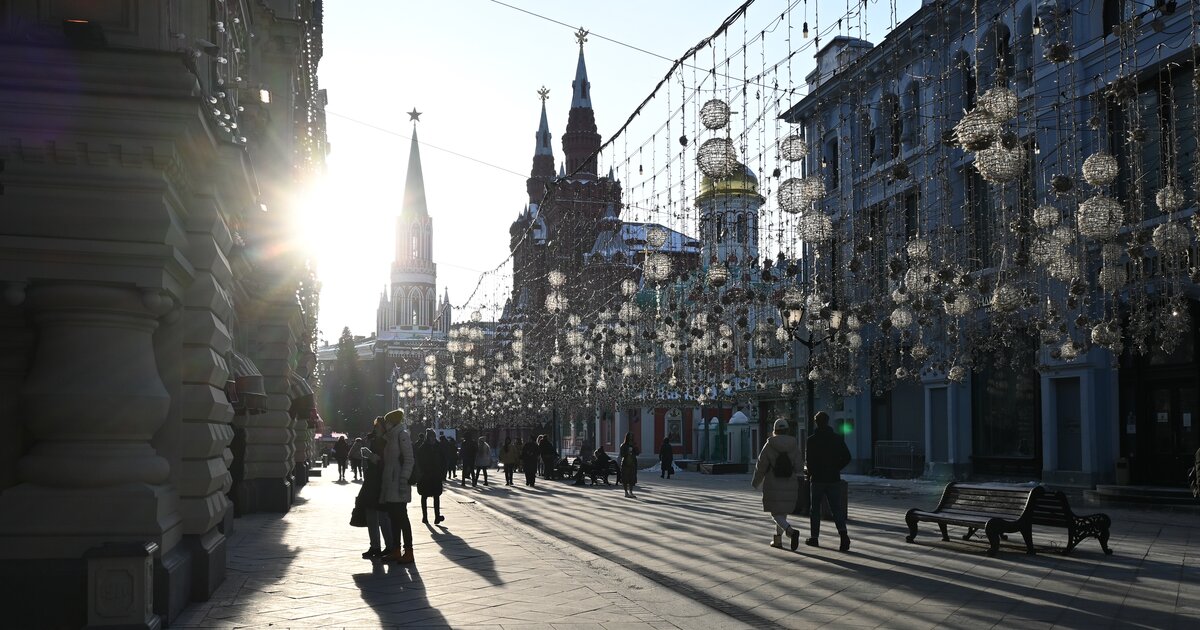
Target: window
x,y
1024,55
866,141
878,250
891,125
741,228
912,221
995,57
1006,411
978,219
832,160
1114,14
1167,149
912,115
962,84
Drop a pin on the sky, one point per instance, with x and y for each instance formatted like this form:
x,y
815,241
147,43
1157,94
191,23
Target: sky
x,y
473,68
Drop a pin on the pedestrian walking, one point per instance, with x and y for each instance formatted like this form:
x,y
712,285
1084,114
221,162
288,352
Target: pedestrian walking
x,y
368,493
467,455
775,474
827,456
483,460
549,455
510,456
341,452
529,461
355,457
395,492
431,457
628,458
666,458
451,452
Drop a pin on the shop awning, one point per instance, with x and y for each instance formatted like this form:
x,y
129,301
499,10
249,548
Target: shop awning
x,y
245,389
303,402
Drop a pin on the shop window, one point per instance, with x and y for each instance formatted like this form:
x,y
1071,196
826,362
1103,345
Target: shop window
x,y
1006,407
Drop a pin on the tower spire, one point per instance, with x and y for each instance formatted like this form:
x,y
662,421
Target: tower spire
x,y
543,156
581,140
414,184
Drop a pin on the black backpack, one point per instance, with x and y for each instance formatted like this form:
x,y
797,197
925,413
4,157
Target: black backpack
x,y
783,466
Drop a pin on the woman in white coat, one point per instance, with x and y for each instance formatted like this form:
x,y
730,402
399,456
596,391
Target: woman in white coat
x,y
778,480
395,492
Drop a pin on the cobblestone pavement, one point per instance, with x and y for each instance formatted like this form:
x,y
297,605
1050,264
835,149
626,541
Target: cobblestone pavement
x,y
691,553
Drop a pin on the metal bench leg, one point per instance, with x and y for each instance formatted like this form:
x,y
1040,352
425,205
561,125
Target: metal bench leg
x,y
945,534
970,532
1027,534
911,521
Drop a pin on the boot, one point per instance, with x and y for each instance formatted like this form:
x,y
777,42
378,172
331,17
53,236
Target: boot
x,y
401,558
795,536
438,519
845,546
777,541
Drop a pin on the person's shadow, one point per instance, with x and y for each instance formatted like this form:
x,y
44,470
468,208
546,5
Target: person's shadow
x,y
397,595
463,554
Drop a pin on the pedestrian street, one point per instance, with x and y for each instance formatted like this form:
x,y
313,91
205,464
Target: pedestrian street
x,y
691,553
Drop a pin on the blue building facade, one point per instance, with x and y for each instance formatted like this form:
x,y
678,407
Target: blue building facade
x,y
1011,186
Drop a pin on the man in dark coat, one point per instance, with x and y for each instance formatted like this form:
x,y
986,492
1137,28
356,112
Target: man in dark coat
x,y
827,455
467,456
450,452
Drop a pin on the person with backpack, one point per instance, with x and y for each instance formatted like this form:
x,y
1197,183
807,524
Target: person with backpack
x,y
775,473
827,456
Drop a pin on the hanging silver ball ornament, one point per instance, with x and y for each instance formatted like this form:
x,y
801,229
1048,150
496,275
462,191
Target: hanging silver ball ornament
x,y
1108,335
1169,199
717,158
629,312
959,305
1046,216
1007,298
657,267
957,373
1062,265
902,317
718,275
1000,102
714,114
918,249
977,130
628,287
556,278
901,373
812,189
791,195
1069,351
793,148
815,227
1099,217
1100,169
998,164
920,280
919,352
656,237
854,340
1171,239
555,302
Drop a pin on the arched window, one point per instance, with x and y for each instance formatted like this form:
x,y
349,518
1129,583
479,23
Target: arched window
x,y
417,308
414,239
430,305
741,228
995,57
888,127
866,141
912,115
1024,55
962,85
832,160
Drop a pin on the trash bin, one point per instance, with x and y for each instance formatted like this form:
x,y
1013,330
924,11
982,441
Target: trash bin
x,y
1123,471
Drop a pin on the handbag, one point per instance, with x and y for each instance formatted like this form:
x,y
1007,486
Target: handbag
x,y
358,517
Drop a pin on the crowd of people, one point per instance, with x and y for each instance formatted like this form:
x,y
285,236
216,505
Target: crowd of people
x,y
391,465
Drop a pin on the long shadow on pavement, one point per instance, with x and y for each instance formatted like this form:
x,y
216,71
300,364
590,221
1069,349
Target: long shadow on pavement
x,y
396,594
463,554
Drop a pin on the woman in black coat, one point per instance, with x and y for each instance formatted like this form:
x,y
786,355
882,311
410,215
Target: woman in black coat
x,y
666,457
431,457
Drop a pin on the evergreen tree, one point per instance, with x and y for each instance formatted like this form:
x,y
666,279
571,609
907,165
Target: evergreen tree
x,y
349,388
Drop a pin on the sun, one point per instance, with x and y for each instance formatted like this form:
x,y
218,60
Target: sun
x,y
342,224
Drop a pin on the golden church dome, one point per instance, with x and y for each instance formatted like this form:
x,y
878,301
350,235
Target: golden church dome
x,y
741,182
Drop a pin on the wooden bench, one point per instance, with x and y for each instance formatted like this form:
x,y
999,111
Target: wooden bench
x,y
1052,510
591,470
999,510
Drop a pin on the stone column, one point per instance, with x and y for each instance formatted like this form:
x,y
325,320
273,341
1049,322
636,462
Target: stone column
x,y
270,438
93,401
204,478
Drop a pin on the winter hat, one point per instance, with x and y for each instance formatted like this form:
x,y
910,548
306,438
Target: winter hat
x,y
781,425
